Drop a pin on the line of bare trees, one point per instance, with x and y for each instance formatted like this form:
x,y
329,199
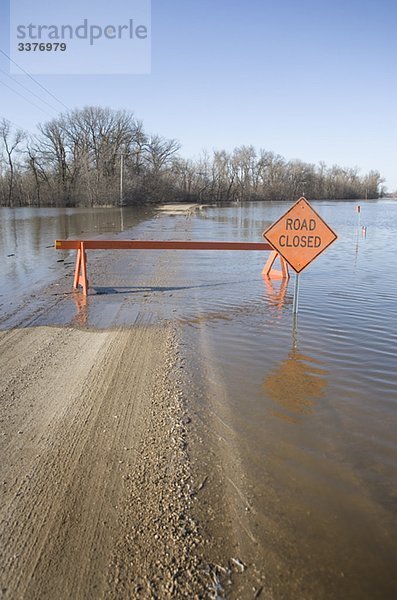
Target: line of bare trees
x,y
76,160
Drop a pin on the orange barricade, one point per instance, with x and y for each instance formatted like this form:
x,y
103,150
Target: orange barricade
x,y
274,273
81,278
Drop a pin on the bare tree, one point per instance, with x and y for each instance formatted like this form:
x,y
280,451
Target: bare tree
x,y
160,152
75,159
11,142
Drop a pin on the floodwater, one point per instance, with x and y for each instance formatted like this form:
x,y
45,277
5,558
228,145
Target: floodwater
x,y
27,236
308,406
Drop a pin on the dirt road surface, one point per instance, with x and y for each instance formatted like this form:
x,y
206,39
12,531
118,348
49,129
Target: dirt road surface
x,y
95,479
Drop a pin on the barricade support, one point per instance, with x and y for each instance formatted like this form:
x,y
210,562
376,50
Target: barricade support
x,y
271,273
80,275
80,272
268,271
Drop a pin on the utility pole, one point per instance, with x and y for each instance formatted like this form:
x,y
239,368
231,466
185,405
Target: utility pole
x,y
121,178
121,202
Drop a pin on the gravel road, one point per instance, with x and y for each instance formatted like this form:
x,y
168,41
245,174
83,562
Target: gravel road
x,y
95,477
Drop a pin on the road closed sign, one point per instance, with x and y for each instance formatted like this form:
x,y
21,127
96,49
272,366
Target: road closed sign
x,y
300,235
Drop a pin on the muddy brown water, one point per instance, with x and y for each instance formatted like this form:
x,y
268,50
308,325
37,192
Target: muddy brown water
x,y
306,409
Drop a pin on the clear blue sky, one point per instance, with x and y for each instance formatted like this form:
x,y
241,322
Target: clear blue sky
x,y
309,79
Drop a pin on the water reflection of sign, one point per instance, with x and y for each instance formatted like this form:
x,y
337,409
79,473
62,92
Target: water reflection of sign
x,y
295,384
300,235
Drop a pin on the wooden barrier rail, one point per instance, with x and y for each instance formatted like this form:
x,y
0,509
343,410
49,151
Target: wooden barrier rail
x,y
158,245
80,276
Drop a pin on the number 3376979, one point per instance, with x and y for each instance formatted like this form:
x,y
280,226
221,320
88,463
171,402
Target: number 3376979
x,y
41,47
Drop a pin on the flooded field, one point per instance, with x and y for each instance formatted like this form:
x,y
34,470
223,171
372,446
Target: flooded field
x,y
303,412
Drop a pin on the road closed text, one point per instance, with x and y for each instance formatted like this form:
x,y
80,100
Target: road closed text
x,y
300,235
298,238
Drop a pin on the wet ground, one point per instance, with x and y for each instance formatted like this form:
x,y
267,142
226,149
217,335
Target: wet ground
x,y
303,412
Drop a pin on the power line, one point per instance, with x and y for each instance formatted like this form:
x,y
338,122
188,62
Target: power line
x,y
35,80
22,96
28,90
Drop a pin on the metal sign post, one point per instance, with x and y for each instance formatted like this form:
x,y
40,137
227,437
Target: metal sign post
x,y
296,295
294,334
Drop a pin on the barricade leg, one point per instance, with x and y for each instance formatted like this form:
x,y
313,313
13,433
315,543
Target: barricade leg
x,y
80,273
268,271
77,270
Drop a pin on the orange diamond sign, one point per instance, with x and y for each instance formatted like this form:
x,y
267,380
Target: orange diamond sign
x,y
300,235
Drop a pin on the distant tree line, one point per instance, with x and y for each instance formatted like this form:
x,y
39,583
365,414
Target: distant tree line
x,y
80,158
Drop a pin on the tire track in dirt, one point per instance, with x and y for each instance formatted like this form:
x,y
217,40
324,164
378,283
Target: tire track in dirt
x,y
94,475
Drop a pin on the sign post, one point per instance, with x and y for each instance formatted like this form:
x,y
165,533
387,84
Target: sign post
x,y
296,295
300,236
